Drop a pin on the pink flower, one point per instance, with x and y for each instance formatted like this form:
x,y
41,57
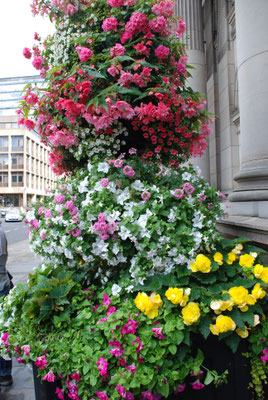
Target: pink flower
x,y
104,182
102,395
38,62
129,171
164,8
59,198
205,130
109,24
83,53
179,193
140,346
199,373
102,366
132,150
115,3
197,385
131,368
158,333
41,362
60,393
188,188
29,124
76,377
27,53
202,197
113,70
145,195
121,390
130,327
181,28
180,388
117,50
26,349
161,52
264,358
117,351
106,300
50,377
147,395
4,339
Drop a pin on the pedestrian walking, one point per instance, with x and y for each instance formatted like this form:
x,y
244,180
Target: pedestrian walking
x,y
5,286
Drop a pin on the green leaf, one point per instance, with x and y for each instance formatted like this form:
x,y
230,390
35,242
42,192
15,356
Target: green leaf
x,y
209,378
233,342
237,317
172,348
124,90
204,326
163,389
93,72
60,291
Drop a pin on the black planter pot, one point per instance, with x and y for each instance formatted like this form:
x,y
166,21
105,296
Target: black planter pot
x,y
219,357
44,390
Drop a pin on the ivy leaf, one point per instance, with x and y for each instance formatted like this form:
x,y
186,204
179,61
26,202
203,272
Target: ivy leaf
x,y
60,291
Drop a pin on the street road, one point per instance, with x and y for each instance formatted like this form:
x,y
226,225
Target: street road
x,y
15,231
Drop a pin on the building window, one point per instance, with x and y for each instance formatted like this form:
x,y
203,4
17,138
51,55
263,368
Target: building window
x,y
11,200
17,161
17,143
3,179
4,143
3,161
17,179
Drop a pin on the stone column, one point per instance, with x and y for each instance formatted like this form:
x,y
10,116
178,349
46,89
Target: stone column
x,y
191,13
251,194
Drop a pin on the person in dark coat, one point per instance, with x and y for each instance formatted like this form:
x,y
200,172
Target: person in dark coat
x,y
5,286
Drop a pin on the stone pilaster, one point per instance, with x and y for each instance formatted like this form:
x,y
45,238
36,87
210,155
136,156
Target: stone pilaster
x,y
191,13
251,194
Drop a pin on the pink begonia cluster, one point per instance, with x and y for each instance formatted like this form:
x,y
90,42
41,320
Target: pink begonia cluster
x,y
164,8
117,50
84,53
197,385
102,395
4,339
105,229
109,24
159,24
161,52
116,3
130,327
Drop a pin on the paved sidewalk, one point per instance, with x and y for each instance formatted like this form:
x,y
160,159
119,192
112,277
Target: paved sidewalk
x,y
20,263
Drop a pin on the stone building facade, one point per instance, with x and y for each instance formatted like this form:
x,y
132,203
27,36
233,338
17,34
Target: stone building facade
x,y
25,173
227,44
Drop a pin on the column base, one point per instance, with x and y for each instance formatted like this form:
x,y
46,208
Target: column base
x,y
248,209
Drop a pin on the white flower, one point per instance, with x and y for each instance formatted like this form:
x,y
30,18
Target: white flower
x,y
68,253
123,196
99,247
115,249
116,289
172,214
124,233
129,288
83,186
138,185
186,176
103,167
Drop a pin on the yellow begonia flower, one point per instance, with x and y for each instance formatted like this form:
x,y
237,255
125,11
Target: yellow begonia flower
x,y
264,275
258,268
148,305
246,261
218,257
174,295
202,264
223,324
238,295
258,292
238,248
231,258
191,313
241,333
141,301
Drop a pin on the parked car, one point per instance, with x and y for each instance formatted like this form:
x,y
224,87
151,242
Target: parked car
x,y
13,215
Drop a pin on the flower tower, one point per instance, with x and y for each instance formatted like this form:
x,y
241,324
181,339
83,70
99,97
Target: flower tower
x,y
133,269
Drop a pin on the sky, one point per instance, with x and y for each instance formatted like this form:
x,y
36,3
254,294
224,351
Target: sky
x,y
17,28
